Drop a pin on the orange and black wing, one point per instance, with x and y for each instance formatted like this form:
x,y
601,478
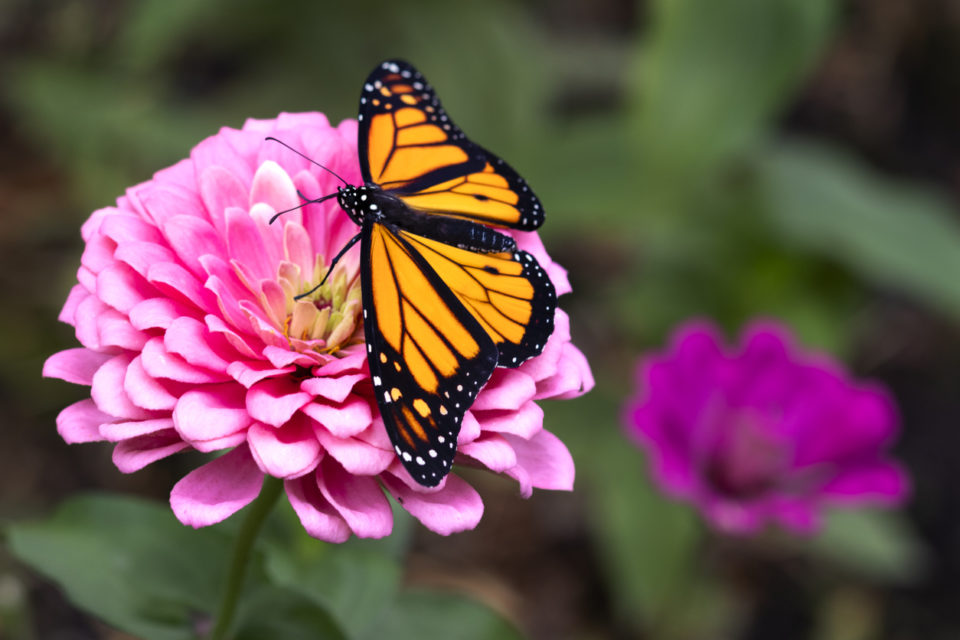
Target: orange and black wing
x,y
508,293
428,355
409,146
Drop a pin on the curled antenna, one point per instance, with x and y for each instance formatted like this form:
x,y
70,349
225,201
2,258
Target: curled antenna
x,y
301,205
272,139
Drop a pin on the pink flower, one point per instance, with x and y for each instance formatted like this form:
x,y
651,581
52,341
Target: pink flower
x,y
764,432
192,339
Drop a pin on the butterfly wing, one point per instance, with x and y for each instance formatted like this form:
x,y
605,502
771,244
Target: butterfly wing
x,y
411,148
508,293
428,355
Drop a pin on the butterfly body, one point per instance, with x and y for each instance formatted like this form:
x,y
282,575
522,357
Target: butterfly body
x,y
446,297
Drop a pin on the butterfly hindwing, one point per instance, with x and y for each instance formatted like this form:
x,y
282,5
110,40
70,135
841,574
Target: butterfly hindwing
x,y
411,148
428,356
508,293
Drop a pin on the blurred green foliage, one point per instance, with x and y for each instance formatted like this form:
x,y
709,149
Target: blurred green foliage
x,y
675,196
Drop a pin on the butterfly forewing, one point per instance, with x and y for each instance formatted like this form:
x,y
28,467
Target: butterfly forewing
x,y
410,147
428,355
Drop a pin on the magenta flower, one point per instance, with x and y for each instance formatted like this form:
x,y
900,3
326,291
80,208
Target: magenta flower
x,y
763,433
192,339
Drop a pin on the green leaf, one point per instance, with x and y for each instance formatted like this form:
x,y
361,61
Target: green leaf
x,y
353,584
420,613
276,612
879,545
647,543
890,233
712,75
128,561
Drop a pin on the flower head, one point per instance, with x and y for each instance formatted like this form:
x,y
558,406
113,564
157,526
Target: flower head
x,y
193,339
763,432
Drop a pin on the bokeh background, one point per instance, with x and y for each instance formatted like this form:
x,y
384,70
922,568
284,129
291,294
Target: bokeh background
x,y
726,159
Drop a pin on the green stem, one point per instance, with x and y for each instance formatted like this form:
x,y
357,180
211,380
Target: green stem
x,y
258,512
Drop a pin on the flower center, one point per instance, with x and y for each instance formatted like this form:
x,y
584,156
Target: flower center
x,y
747,458
328,319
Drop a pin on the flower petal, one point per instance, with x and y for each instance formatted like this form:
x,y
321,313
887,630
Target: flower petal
x,y
217,490
318,517
358,500
454,507
136,453
80,422
289,451
275,400
74,365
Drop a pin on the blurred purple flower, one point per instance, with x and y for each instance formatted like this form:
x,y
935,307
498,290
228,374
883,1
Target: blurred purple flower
x,y
764,432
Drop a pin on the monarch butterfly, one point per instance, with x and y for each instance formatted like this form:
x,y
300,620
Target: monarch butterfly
x,y
445,297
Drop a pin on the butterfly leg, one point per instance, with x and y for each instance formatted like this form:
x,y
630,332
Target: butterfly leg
x,y
333,263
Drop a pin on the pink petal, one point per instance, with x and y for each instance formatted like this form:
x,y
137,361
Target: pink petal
x,y
123,227
140,256
191,237
220,189
359,500
245,243
493,451
344,420
114,330
275,400
117,431
80,422
455,507
274,187
74,365
157,313
88,311
78,293
879,482
178,283
573,377
524,422
250,373
138,452
289,451
107,390
356,456
332,388
121,287
217,490
190,339
210,413
507,389
160,363
543,462
146,391
318,517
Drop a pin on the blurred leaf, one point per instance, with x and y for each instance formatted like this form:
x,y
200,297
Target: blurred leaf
x,y
420,613
648,543
276,612
877,544
353,584
890,233
712,75
129,561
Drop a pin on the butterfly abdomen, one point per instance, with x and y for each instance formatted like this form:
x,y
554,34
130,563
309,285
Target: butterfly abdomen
x,y
455,232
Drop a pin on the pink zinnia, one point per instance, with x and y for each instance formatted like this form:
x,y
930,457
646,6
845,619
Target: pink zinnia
x,y
192,339
763,432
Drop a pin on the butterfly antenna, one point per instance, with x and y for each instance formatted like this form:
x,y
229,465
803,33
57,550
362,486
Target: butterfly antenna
x,y
300,206
333,263
272,139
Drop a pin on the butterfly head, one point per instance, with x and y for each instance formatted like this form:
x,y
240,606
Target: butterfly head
x,y
360,203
